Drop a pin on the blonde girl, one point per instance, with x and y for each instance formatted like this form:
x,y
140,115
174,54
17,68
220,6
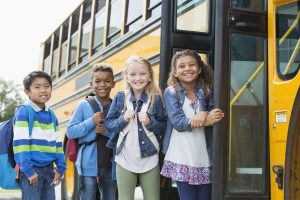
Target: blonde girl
x,y
187,145
137,118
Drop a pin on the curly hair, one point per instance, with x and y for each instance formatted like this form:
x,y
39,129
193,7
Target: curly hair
x,y
102,67
205,78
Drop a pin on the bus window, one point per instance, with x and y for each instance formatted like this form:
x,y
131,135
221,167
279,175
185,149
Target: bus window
x,y
114,31
153,9
55,55
74,39
288,40
247,131
86,29
99,25
64,48
193,15
47,56
134,15
251,5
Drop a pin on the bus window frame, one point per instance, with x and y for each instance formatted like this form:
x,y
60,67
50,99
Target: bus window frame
x,y
102,10
210,16
87,25
110,36
64,39
150,9
128,24
74,20
47,55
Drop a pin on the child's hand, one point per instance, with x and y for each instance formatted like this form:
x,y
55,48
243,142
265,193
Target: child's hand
x,y
98,117
129,114
99,128
34,179
57,179
214,116
143,117
198,120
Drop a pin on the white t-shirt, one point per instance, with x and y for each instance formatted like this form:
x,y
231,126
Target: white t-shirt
x,y
188,148
130,156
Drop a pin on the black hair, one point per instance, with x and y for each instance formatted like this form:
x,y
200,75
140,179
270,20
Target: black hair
x,y
27,82
102,67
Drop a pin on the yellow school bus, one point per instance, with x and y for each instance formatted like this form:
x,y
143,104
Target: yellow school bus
x,y
253,46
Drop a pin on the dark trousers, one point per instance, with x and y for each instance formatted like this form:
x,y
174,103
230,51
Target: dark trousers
x,y
194,192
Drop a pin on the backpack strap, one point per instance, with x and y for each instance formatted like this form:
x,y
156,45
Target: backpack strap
x,y
30,117
93,104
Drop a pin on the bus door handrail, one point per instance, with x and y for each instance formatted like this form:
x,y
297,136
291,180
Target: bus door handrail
x,y
292,27
293,58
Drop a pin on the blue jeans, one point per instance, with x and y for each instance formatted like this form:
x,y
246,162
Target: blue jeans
x,y
194,192
107,187
44,190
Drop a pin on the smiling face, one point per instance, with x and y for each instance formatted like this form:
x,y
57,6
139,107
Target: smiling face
x,y
102,83
39,91
138,77
187,70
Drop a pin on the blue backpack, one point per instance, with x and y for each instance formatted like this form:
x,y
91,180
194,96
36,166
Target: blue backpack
x,y
8,168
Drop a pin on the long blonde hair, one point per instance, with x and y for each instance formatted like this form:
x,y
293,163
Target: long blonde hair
x,y
205,78
151,89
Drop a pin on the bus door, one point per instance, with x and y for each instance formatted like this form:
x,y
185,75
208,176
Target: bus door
x,y
185,24
241,167
284,98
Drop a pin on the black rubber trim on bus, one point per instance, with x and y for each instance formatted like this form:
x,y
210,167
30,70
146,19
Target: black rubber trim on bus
x,y
294,122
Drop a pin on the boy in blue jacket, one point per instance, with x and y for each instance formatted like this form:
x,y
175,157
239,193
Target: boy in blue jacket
x,y
35,152
93,162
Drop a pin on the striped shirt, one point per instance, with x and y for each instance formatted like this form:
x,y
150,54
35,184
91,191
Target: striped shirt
x,y
43,147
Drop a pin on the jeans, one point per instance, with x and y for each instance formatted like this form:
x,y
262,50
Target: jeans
x,y
194,192
106,186
44,190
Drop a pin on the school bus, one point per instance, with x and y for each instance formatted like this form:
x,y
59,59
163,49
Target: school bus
x,y
253,47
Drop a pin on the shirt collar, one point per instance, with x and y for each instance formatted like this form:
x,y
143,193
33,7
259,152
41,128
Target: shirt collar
x,y
143,97
196,88
36,108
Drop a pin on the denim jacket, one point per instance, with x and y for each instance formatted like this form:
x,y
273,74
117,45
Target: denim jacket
x,y
115,123
177,118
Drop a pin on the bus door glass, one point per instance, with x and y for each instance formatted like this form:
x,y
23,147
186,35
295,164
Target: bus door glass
x,y
247,105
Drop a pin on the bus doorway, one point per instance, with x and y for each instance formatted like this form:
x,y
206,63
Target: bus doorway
x,y
241,140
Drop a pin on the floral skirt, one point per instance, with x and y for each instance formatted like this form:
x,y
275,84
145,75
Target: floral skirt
x,y
188,174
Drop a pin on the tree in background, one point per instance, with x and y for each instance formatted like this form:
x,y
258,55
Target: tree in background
x,y
10,99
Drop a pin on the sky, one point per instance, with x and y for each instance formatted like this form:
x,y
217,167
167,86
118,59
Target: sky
x,y
24,26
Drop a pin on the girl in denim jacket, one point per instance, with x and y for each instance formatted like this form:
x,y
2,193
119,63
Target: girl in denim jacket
x,y
137,119
186,144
